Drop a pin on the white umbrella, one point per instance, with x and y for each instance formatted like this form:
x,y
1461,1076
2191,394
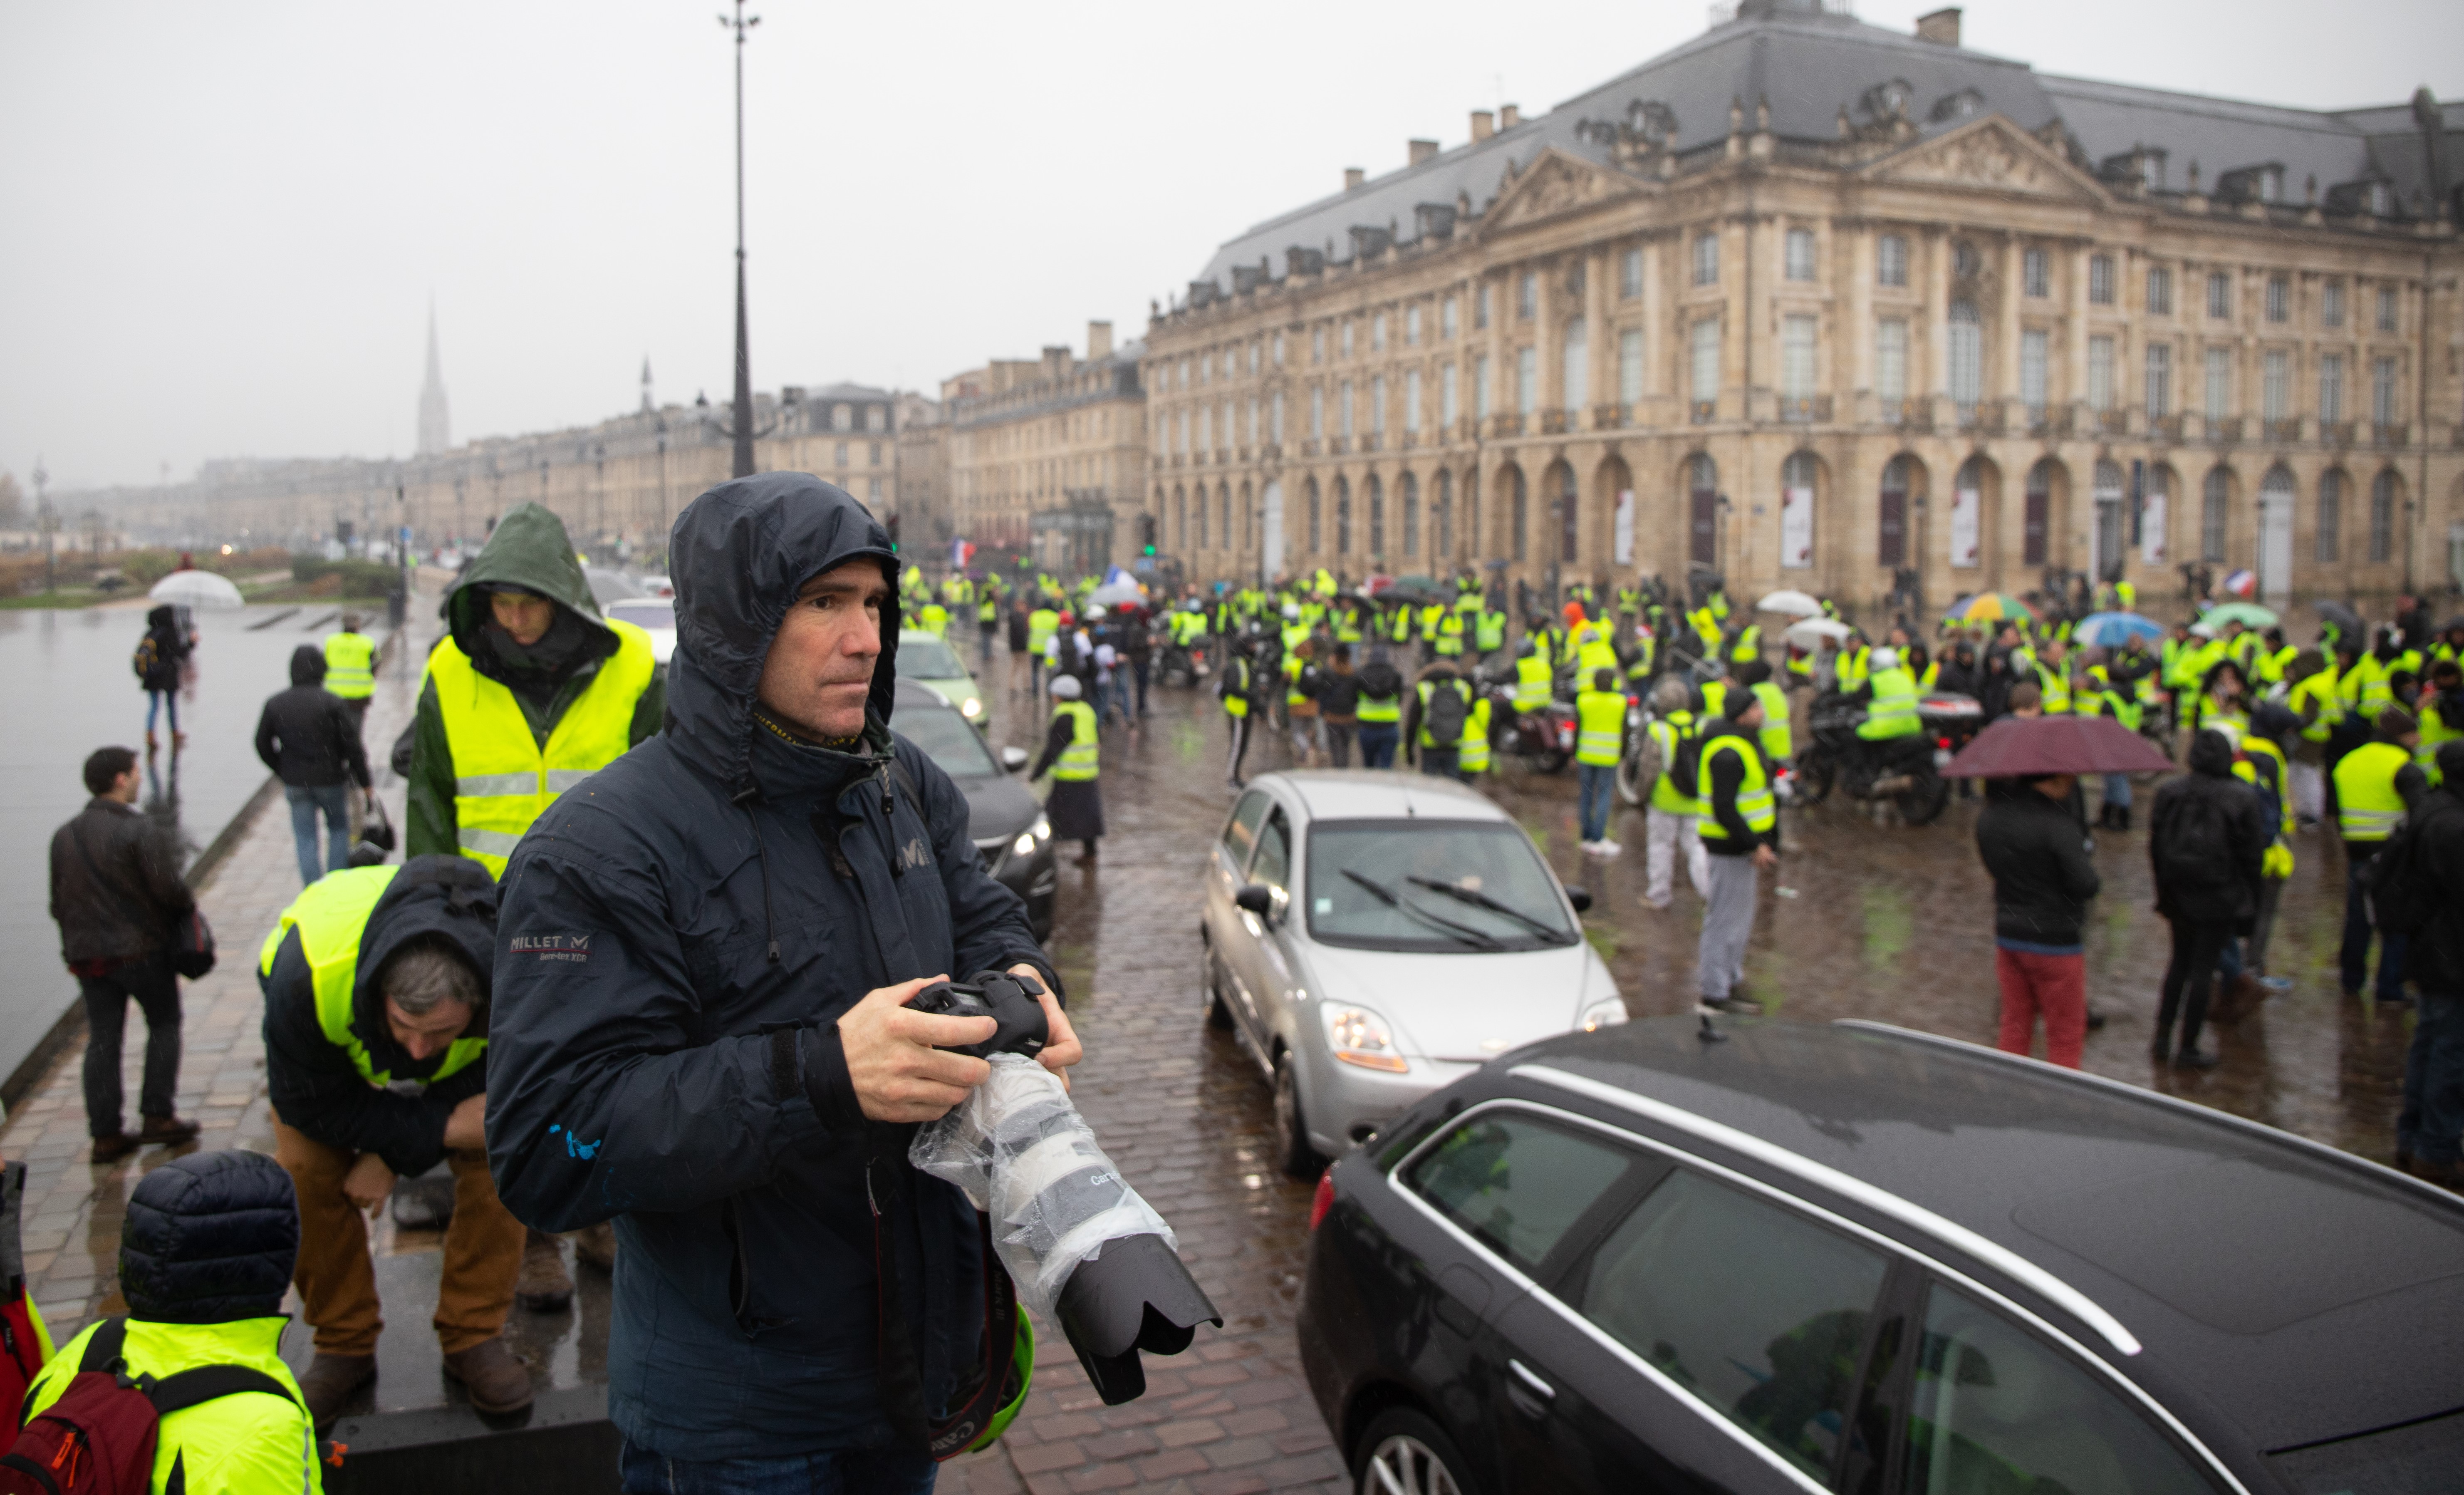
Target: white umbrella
x,y
1794,603
1807,633
203,590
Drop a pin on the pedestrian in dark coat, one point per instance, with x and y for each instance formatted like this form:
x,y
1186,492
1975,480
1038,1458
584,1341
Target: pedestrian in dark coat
x,y
2207,842
2430,1129
117,897
307,737
700,1030
162,653
2031,844
1076,806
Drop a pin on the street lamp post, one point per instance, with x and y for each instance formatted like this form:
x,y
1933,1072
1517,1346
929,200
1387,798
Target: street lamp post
x,y
742,429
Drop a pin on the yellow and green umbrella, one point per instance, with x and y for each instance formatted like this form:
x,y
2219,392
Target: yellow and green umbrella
x,y
1990,607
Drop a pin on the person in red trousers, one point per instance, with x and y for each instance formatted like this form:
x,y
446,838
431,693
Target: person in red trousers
x,y
2032,844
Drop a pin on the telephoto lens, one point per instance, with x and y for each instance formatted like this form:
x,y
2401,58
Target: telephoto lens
x,y
1083,1247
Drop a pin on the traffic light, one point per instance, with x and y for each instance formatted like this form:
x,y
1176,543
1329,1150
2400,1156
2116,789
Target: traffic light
x,y
893,534
1145,534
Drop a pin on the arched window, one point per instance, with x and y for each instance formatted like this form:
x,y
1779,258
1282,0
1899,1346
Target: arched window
x,y
1967,358
1967,513
1891,539
1519,505
1375,491
1796,477
1316,542
2331,515
1342,517
1442,516
2383,515
1703,511
2037,519
1407,492
2215,502
1570,514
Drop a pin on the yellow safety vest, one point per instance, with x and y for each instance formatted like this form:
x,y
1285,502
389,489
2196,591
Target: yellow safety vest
x,y
1850,668
1532,681
2367,804
1593,652
1488,632
1237,683
1429,688
1472,753
2254,750
1893,713
1077,762
2434,732
1779,742
502,779
1040,627
1599,727
1379,708
2055,688
935,618
1450,632
1749,645
2320,689
1673,731
330,914
1753,791
350,665
246,1443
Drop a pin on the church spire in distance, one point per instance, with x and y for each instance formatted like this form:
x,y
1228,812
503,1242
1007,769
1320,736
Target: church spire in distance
x,y
435,426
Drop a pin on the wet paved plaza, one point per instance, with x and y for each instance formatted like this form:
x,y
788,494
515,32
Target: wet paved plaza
x,y
1886,922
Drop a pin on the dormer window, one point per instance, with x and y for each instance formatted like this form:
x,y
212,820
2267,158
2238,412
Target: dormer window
x,y
2270,185
2381,200
2151,170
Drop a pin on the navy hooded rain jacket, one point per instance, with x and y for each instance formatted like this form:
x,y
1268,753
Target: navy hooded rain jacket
x,y
679,935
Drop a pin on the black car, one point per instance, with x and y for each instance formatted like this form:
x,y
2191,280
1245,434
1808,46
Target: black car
x,y
1854,1258
1004,819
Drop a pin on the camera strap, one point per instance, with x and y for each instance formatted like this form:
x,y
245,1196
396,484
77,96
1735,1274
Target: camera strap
x,y
900,1375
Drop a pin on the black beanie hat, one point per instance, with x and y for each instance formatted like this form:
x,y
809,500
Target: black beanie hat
x,y
209,1238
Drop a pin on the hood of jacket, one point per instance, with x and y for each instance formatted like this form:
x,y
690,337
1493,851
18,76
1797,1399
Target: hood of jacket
x,y
307,664
161,617
737,554
209,1238
444,895
2211,753
529,549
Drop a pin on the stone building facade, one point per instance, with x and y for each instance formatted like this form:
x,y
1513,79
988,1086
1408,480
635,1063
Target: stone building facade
x,y
1047,457
1806,302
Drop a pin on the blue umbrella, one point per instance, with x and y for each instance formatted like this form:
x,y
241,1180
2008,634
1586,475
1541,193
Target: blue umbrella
x,y
2109,629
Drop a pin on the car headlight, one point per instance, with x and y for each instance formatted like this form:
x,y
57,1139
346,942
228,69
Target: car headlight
x,y
1032,837
971,707
1600,1014
1358,1036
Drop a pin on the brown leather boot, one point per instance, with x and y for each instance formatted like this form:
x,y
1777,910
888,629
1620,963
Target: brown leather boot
x,y
167,1129
496,1381
545,1286
594,1245
331,1381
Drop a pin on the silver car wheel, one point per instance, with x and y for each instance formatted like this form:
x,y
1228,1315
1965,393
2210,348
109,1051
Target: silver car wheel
x,y
1404,1465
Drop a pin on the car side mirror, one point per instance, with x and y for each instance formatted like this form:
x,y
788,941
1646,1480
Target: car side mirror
x,y
1580,897
1013,759
1255,897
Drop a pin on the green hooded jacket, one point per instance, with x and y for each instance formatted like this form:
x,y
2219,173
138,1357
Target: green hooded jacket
x,y
530,550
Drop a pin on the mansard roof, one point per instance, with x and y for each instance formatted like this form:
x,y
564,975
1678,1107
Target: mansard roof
x,y
1811,65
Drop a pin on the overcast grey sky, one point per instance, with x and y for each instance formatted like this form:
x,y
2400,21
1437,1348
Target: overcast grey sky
x,y
221,226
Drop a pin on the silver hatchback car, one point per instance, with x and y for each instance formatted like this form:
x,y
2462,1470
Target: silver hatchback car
x,y
1374,936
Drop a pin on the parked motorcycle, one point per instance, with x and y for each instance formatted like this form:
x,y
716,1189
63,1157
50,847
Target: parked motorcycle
x,y
1906,771
1176,665
1542,740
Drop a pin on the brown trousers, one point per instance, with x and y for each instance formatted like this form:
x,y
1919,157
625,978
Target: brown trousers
x,y
338,1282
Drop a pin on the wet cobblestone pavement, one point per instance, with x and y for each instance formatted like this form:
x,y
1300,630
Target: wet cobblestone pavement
x,y
1886,922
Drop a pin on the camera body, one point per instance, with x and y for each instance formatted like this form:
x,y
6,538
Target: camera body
x,y
1009,1001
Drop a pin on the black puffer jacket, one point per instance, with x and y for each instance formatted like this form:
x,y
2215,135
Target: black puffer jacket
x,y
2208,804
305,733
2435,959
681,933
116,887
2036,855
312,1082
209,1238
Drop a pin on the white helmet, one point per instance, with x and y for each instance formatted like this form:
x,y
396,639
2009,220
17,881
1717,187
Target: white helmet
x,y
1094,612
1291,610
1886,658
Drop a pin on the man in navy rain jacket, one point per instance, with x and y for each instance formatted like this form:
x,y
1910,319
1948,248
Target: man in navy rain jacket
x,y
703,956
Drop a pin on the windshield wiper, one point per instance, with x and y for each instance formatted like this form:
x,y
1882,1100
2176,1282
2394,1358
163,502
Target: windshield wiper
x,y
1478,939
1482,900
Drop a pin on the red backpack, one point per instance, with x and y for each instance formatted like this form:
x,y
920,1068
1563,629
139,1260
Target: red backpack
x,y
21,1350
97,1438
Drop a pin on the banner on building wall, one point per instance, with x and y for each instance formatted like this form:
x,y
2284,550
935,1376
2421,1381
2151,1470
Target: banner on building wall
x,y
2151,534
1796,528
1966,525
1270,554
1625,527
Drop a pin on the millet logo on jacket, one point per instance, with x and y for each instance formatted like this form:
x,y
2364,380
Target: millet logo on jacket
x,y
552,947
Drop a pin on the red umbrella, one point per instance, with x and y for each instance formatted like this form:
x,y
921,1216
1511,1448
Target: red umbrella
x,y
2056,745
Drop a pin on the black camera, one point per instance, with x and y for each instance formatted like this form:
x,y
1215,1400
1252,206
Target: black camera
x,y
1009,1001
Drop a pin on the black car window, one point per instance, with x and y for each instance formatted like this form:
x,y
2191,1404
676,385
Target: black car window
x,y
1274,863
1516,1184
1752,1307
945,735
1995,1408
1240,831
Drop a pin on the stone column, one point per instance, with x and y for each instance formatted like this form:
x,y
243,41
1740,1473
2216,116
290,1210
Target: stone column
x,y
2006,334
1937,341
1858,327
2074,381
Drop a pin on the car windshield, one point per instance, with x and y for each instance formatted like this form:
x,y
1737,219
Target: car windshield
x,y
952,744
644,614
1425,885
927,659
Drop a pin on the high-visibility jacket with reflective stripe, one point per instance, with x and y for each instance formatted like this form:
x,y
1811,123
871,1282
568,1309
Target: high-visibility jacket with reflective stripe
x,y
2367,804
1376,709
250,1442
1472,754
1893,713
2434,732
1450,635
1753,791
1779,742
2055,689
1852,666
1077,761
1593,652
1532,681
350,665
1599,727
1237,686
1429,688
1488,632
502,779
2262,763
330,913
1672,733
2319,691
1749,645
1041,624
